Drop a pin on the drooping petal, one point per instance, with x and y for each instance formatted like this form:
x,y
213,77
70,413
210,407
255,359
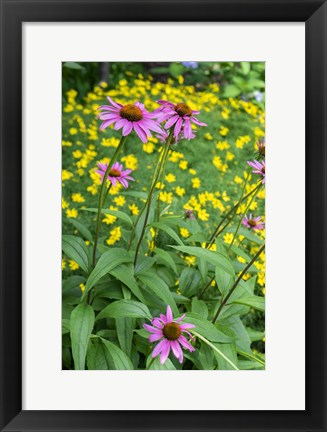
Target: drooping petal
x,y
140,132
127,129
157,323
178,127
183,341
120,123
158,348
180,318
165,351
178,353
123,182
197,122
171,121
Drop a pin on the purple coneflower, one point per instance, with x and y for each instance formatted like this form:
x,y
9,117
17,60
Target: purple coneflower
x,y
116,174
180,115
253,222
170,333
129,117
259,168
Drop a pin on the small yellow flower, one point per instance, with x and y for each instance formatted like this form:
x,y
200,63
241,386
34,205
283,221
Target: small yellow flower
x,y
120,200
183,164
223,130
64,204
82,287
115,236
148,147
134,209
228,238
72,213
63,263
196,183
73,131
73,265
190,260
184,232
170,178
180,191
66,175
78,198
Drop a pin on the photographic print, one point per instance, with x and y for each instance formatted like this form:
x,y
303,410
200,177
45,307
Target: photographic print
x,y
163,216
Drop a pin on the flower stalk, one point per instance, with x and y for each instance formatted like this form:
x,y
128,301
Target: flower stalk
x,y
102,198
149,200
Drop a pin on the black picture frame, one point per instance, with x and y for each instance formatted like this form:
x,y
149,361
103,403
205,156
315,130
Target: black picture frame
x,y
16,12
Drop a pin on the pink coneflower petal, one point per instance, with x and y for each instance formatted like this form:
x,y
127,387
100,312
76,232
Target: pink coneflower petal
x,y
152,329
169,315
178,127
140,132
115,104
183,341
186,326
177,350
157,323
155,336
127,128
197,122
171,121
180,318
165,351
158,348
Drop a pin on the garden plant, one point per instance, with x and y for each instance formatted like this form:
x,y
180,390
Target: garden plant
x,y
163,217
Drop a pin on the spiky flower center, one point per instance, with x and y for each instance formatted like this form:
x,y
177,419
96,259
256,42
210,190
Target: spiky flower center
x,y
263,170
172,331
114,172
183,110
131,113
252,223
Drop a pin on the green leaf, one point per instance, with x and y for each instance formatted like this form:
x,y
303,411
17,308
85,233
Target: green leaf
x,y
118,360
255,302
199,307
107,262
156,365
254,334
215,258
168,230
190,281
125,327
125,308
120,215
231,91
82,229
125,274
159,288
76,249
166,257
224,280
246,66
206,329
176,69
73,65
81,326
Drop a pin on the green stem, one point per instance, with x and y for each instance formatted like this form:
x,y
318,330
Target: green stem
x,y
215,349
230,292
144,207
206,287
243,214
148,203
232,210
100,200
251,357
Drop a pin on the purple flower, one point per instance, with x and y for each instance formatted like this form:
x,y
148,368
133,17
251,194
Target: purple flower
x,y
190,64
253,223
259,168
178,115
116,174
129,117
170,334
